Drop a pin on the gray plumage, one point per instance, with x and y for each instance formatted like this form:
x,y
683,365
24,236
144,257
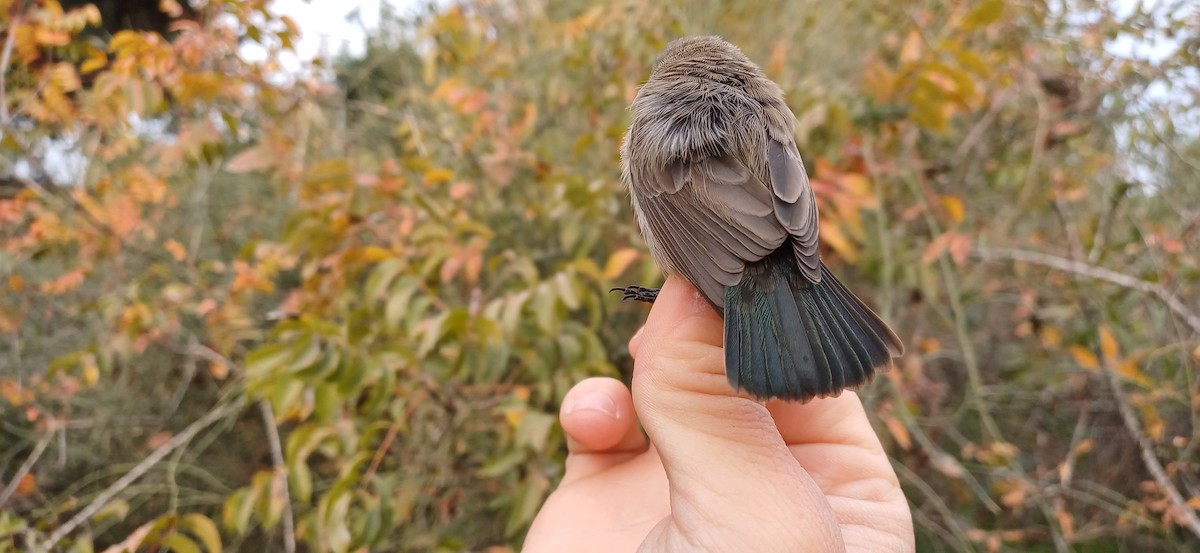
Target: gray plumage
x,y
723,199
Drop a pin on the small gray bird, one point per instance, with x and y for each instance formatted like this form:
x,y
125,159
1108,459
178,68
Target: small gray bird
x,y
722,198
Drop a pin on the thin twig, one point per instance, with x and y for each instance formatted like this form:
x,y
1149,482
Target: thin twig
x,y
138,471
5,57
1104,228
27,465
289,523
1040,132
1183,512
1099,273
381,451
978,130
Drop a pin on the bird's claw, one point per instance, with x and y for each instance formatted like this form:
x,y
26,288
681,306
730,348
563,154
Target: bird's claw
x,y
637,293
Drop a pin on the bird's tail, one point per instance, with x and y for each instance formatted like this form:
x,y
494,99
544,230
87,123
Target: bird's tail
x,y
790,339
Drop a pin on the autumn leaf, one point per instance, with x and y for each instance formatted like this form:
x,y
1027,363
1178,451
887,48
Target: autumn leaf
x,y
1084,357
619,261
954,207
257,158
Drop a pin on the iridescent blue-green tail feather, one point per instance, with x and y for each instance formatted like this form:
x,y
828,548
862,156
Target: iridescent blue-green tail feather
x,y
788,338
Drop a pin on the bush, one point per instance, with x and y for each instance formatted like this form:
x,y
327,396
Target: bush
x,y
340,314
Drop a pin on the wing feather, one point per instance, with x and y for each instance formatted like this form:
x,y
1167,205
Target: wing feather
x,y
707,219
795,206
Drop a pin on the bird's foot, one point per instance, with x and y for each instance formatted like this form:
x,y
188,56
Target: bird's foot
x,y
637,293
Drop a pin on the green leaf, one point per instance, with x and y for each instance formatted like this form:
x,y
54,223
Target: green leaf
x,y
305,352
433,333
327,402
566,291
400,295
237,510
544,310
266,359
300,445
116,509
381,279
535,429
503,465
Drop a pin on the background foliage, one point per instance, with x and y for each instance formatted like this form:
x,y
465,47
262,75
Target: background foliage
x,y
336,311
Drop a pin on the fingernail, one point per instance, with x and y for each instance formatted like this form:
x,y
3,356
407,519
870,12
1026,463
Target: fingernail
x,y
596,401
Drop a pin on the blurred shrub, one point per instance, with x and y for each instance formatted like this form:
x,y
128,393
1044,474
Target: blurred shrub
x,y
344,313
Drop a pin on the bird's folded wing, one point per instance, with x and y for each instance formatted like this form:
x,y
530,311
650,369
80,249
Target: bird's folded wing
x,y
709,218
795,206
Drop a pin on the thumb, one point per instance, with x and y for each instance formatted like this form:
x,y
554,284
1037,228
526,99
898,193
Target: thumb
x,y
722,453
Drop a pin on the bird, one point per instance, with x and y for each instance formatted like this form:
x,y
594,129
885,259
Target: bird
x,y
722,198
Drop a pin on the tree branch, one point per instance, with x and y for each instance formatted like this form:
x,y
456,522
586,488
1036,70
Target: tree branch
x,y
289,523
1183,512
1173,302
27,466
137,472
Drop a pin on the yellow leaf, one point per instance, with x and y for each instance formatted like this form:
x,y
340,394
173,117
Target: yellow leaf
x,y
124,40
376,253
438,175
619,261
1051,337
1084,357
985,13
95,61
515,415
91,372
954,206
1108,345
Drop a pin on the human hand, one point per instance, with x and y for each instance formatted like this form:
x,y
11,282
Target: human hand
x,y
721,472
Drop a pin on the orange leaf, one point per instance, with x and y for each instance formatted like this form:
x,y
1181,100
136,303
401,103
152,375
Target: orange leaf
x,y
1084,357
176,250
911,50
1108,345
899,432
954,206
1129,369
170,7
218,369
836,239
27,486
253,159
48,37
619,261
157,439
958,245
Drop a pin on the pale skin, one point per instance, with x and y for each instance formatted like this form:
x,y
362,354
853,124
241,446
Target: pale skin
x,y
720,472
